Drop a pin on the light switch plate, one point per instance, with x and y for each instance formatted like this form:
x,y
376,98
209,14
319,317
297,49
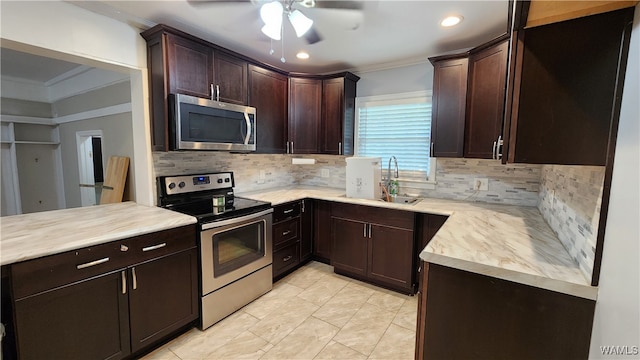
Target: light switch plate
x,y
325,173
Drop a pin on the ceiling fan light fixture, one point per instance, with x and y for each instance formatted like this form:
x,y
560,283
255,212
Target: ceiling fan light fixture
x,y
272,31
271,13
451,21
301,24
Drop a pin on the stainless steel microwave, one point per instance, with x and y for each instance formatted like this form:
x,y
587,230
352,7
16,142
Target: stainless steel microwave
x,y
203,124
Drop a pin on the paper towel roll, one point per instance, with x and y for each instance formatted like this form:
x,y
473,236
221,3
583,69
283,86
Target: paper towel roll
x,y
301,161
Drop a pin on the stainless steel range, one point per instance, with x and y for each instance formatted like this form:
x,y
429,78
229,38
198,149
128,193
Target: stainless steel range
x,y
235,240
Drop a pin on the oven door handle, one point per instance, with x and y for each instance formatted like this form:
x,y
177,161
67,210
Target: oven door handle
x,y
217,224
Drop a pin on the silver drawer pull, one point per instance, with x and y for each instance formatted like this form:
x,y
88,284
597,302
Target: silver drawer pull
x,y
154,247
135,278
287,258
124,281
288,211
92,263
286,233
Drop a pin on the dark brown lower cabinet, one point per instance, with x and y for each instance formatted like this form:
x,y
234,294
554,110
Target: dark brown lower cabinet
x,y
160,299
108,301
85,320
374,244
322,231
463,315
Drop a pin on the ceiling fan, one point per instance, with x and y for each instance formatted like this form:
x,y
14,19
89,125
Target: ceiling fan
x,y
272,13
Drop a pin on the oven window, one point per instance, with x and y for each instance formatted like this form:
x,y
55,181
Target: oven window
x,y
235,248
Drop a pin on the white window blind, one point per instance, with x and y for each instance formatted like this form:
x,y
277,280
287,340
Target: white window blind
x,y
396,125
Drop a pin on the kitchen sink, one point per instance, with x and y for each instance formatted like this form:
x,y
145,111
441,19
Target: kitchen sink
x,y
402,199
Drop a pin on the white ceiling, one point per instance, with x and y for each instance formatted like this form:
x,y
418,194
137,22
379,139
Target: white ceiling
x,y
383,34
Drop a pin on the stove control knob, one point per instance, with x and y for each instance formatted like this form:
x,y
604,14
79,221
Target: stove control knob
x,y
172,186
227,180
219,181
182,184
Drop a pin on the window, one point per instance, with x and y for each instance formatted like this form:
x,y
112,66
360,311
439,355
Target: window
x,y
396,125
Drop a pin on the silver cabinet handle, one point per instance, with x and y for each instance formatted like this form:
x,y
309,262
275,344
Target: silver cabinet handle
x,y
340,148
431,153
123,273
292,147
212,92
286,233
287,258
302,204
364,231
287,147
369,231
217,92
154,247
92,263
499,148
494,156
288,211
135,278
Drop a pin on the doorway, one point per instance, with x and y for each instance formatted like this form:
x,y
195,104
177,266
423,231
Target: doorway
x,y
90,166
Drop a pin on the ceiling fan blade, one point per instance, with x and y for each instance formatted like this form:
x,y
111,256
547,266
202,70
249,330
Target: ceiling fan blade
x,y
336,4
312,36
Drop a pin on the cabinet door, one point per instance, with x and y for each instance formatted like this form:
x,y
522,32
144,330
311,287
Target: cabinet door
x,y
163,296
449,103
332,116
85,320
304,115
231,78
322,231
306,229
349,246
268,93
190,67
391,256
485,100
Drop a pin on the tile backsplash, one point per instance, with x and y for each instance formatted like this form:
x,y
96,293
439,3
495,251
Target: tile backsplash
x,y
570,199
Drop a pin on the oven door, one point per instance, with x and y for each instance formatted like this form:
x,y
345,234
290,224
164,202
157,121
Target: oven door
x,y
234,248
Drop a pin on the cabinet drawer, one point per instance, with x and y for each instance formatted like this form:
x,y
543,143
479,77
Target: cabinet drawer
x,y
285,211
37,275
286,258
286,231
149,246
370,214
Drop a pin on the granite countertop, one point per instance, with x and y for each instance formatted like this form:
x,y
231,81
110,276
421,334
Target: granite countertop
x,y
29,236
509,242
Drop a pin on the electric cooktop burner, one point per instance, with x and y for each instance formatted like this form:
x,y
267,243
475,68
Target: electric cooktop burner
x,y
198,195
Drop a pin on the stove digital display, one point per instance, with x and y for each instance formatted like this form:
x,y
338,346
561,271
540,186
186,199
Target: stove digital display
x,y
201,180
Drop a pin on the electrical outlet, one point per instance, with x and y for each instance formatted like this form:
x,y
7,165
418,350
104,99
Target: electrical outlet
x,y
481,184
325,173
263,174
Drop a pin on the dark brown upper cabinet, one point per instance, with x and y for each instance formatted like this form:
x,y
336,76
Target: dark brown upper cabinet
x,y
190,66
305,101
268,93
485,100
230,79
338,115
449,99
567,86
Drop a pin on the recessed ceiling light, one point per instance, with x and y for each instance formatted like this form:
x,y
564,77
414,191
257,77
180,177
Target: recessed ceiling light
x,y
302,55
451,20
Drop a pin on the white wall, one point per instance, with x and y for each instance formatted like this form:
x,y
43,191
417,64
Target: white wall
x,y
64,31
617,317
418,77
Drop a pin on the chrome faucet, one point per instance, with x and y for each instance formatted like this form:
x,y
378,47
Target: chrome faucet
x,y
395,173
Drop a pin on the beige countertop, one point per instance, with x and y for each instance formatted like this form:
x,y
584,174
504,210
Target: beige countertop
x,y
508,242
30,236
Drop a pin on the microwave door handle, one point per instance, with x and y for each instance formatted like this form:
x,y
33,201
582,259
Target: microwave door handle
x,y
246,138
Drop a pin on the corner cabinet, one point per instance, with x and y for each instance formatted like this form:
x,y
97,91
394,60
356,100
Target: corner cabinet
x,y
374,244
322,114
268,93
449,99
106,301
564,105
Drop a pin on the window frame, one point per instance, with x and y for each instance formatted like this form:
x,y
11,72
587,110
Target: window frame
x,y
397,99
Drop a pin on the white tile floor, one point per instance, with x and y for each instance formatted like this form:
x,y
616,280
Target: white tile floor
x,y
310,314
